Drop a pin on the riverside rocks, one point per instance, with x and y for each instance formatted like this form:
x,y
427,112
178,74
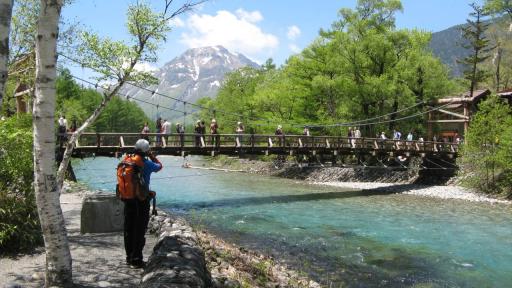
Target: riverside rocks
x,y
442,192
178,261
321,173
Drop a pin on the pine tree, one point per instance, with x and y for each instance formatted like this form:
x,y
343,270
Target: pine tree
x,y
474,33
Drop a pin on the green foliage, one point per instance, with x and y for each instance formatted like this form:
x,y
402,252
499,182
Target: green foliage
x,y
77,103
361,68
498,7
121,116
118,59
23,28
19,223
486,153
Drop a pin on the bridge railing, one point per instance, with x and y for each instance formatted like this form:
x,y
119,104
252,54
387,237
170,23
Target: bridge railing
x,y
261,141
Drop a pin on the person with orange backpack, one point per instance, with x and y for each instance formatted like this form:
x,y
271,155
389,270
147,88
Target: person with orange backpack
x,y
133,177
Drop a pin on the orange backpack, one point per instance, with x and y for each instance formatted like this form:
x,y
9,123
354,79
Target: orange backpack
x,y
130,180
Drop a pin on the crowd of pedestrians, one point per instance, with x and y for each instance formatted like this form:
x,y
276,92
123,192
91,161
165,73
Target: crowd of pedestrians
x,y
164,130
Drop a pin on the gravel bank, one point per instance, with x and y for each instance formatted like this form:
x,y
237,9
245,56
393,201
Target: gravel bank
x,y
443,192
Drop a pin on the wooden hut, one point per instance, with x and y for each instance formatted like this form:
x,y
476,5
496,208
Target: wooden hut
x,y
452,114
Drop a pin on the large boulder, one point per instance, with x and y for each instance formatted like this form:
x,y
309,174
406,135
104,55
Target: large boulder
x,y
177,259
101,213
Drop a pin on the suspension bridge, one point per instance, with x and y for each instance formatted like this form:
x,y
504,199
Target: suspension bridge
x,y
113,144
360,151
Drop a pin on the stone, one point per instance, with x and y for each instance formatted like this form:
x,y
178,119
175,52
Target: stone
x,y
104,284
176,260
101,213
100,277
230,283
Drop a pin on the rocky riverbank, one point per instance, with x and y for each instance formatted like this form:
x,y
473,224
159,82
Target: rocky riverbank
x,y
229,266
356,178
99,260
436,191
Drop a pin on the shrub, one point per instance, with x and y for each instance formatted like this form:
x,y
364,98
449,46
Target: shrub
x,y
486,154
19,223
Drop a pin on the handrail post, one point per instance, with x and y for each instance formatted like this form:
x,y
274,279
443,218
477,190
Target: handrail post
x,y
121,141
98,140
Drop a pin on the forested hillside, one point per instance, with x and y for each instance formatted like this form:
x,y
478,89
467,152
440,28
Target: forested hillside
x,y
77,103
361,68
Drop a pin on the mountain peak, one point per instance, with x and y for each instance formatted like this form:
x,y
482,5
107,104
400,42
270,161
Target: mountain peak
x,y
195,74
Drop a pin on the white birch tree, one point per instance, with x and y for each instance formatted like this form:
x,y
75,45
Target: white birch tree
x,y
5,27
58,257
117,61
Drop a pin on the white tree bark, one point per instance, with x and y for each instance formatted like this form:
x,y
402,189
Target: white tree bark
x,y
5,27
58,256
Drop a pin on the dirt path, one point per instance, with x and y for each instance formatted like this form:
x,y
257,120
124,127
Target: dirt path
x,y
98,259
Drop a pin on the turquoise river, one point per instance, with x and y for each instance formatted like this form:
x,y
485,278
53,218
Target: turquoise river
x,y
341,238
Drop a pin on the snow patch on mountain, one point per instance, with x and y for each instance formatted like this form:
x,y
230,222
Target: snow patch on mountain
x,y
195,74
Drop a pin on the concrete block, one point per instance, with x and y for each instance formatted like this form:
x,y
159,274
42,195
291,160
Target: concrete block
x,y
101,213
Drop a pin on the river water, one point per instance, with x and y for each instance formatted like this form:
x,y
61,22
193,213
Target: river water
x,y
340,238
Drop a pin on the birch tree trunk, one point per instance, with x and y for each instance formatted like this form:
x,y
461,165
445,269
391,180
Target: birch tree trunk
x,y
5,27
58,257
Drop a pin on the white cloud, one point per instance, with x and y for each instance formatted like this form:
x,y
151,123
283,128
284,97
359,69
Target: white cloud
x,y
293,32
252,17
236,32
176,22
144,67
140,67
294,48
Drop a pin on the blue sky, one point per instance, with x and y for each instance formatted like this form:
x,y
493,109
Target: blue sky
x,y
259,29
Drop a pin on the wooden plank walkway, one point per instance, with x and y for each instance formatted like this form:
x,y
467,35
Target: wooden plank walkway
x,y
111,144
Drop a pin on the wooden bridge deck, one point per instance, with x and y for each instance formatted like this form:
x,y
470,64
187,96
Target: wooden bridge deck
x,y
111,144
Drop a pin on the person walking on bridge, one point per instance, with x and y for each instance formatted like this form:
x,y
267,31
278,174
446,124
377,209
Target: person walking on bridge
x,y
214,132
136,210
280,135
166,131
197,131
180,130
239,130
145,131
63,128
382,139
158,130
305,133
396,136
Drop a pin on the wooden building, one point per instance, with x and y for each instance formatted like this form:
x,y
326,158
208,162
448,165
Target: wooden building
x,y
452,114
22,71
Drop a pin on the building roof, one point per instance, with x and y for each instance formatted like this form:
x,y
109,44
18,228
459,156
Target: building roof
x,y
465,98
507,93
